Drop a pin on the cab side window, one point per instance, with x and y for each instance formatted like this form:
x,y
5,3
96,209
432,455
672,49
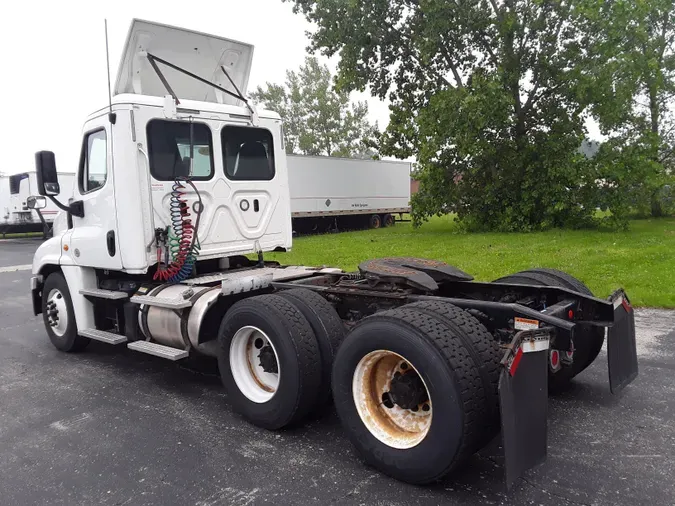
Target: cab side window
x,y
93,162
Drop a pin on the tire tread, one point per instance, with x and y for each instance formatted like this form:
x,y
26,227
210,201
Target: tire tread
x,y
458,359
484,351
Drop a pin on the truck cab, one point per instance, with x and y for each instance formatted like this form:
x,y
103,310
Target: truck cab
x,y
161,125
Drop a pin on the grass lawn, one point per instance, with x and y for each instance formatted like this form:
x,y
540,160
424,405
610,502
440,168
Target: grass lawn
x,y
641,260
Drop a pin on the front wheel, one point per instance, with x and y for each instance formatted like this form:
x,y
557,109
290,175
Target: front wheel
x,y
58,315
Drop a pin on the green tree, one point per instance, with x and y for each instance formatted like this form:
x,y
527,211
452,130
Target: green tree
x,y
631,72
318,119
483,92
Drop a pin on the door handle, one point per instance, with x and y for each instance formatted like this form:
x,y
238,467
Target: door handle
x,y
110,240
256,205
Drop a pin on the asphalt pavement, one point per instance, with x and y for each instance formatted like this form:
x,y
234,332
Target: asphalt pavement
x,y
114,427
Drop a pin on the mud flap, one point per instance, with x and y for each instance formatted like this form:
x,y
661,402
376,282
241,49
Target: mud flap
x,y
621,349
523,401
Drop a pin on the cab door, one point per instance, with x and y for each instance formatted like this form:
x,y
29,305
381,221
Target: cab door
x,y
93,240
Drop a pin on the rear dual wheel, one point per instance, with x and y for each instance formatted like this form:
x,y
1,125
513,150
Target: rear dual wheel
x,y
409,393
275,356
589,339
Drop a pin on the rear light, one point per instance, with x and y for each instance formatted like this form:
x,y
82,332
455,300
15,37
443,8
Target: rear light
x,y
554,360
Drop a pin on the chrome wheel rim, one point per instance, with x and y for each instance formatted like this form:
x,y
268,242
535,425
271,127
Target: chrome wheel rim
x,y
57,312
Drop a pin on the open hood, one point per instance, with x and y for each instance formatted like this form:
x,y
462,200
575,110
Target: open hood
x,y
195,52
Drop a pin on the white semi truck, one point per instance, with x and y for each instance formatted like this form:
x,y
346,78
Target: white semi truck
x,y
15,214
329,193
180,179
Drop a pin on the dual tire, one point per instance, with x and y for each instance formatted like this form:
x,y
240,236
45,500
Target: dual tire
x,y
377,367
589,339
446,362
275,356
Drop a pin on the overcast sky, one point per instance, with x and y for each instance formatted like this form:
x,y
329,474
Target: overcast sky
x,y
53,67
52,56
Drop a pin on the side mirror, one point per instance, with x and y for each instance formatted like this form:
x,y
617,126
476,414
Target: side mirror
x,y
36,202
47,179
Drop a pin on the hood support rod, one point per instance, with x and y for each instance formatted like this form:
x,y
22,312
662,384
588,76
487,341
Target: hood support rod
x,y
153,59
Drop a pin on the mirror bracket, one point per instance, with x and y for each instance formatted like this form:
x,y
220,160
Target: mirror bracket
x,y
76,208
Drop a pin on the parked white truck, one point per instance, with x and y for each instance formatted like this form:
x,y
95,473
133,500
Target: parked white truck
x,y
180,179
15,214
329,193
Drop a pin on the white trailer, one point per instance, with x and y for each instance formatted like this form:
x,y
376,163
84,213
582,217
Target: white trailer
x,y
15,215
180,179
338,193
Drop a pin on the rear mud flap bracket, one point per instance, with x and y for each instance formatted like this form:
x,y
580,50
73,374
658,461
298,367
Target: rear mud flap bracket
x,y
523,401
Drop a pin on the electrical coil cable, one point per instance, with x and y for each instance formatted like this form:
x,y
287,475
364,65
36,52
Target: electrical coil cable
x,y
183,243
183,240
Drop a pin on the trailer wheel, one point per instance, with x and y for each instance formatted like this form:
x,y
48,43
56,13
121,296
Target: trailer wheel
x,y
407,393
485,354
58,315
269,361
590,340
328,329
375,221
388,220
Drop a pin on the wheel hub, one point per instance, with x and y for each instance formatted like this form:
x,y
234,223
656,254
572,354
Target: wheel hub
x,y
57,312
268,360
407,390
392,399
254,364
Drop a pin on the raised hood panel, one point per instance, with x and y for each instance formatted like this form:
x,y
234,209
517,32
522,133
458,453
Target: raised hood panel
x,y
196,52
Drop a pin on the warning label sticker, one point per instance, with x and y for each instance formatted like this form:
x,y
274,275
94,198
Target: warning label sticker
x,y
525,324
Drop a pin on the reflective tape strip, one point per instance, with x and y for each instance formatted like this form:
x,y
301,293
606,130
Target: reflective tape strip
x,y
516,361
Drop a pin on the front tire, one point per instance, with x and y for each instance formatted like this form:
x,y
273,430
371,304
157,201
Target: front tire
x,y
58,315
387,421
269,361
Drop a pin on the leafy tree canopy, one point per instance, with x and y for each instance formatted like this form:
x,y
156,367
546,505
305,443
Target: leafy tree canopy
x,y
485,93
319,119
631,83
